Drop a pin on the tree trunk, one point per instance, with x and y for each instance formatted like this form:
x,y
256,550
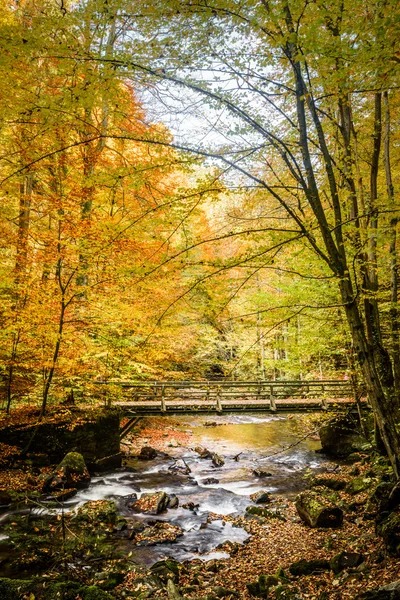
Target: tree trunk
x,y
382,405
394,269
25,200
50,374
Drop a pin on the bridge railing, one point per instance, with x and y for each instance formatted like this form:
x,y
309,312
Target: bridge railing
x,y
211,389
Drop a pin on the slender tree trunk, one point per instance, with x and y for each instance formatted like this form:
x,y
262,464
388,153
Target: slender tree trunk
x,y
50,374
25,200
261,343
11,367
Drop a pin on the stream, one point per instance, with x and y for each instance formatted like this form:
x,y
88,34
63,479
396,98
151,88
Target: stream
x,y
245,442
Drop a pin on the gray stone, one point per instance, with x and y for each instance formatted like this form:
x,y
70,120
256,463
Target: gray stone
x,y
210,481
260,473
261,497
345,560
173,501
152,503
217,460
147,453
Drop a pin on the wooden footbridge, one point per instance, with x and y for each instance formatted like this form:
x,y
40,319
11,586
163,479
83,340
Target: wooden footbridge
x,y
219,396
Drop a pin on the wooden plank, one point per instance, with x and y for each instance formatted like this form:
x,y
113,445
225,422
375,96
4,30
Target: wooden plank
x,y
128,426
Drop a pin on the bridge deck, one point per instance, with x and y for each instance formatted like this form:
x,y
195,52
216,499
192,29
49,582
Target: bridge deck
x,y
185,406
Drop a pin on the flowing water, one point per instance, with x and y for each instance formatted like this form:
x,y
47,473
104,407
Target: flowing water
x,y
246,443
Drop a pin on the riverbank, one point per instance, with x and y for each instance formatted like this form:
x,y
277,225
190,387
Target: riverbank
x,y
103,539
278,543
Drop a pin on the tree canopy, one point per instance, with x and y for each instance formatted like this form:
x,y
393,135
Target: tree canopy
x,y
200,187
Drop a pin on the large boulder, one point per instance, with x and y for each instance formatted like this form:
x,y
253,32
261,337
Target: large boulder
x,y
70,473
317,511
340,437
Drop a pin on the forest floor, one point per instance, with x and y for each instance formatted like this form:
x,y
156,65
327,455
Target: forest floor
x,y
276,544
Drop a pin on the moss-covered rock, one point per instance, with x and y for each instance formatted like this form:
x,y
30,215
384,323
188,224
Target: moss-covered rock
x,y
92,592
389,529
266,513
261,587
108,580
13,589
318,511
167,569
16,589
286,592
359,484
261,497
332,483
308,567
98,511
70,473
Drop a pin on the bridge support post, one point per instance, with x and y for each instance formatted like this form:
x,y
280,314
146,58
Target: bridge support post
x,y
272,403
324,403
163,404
218,401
